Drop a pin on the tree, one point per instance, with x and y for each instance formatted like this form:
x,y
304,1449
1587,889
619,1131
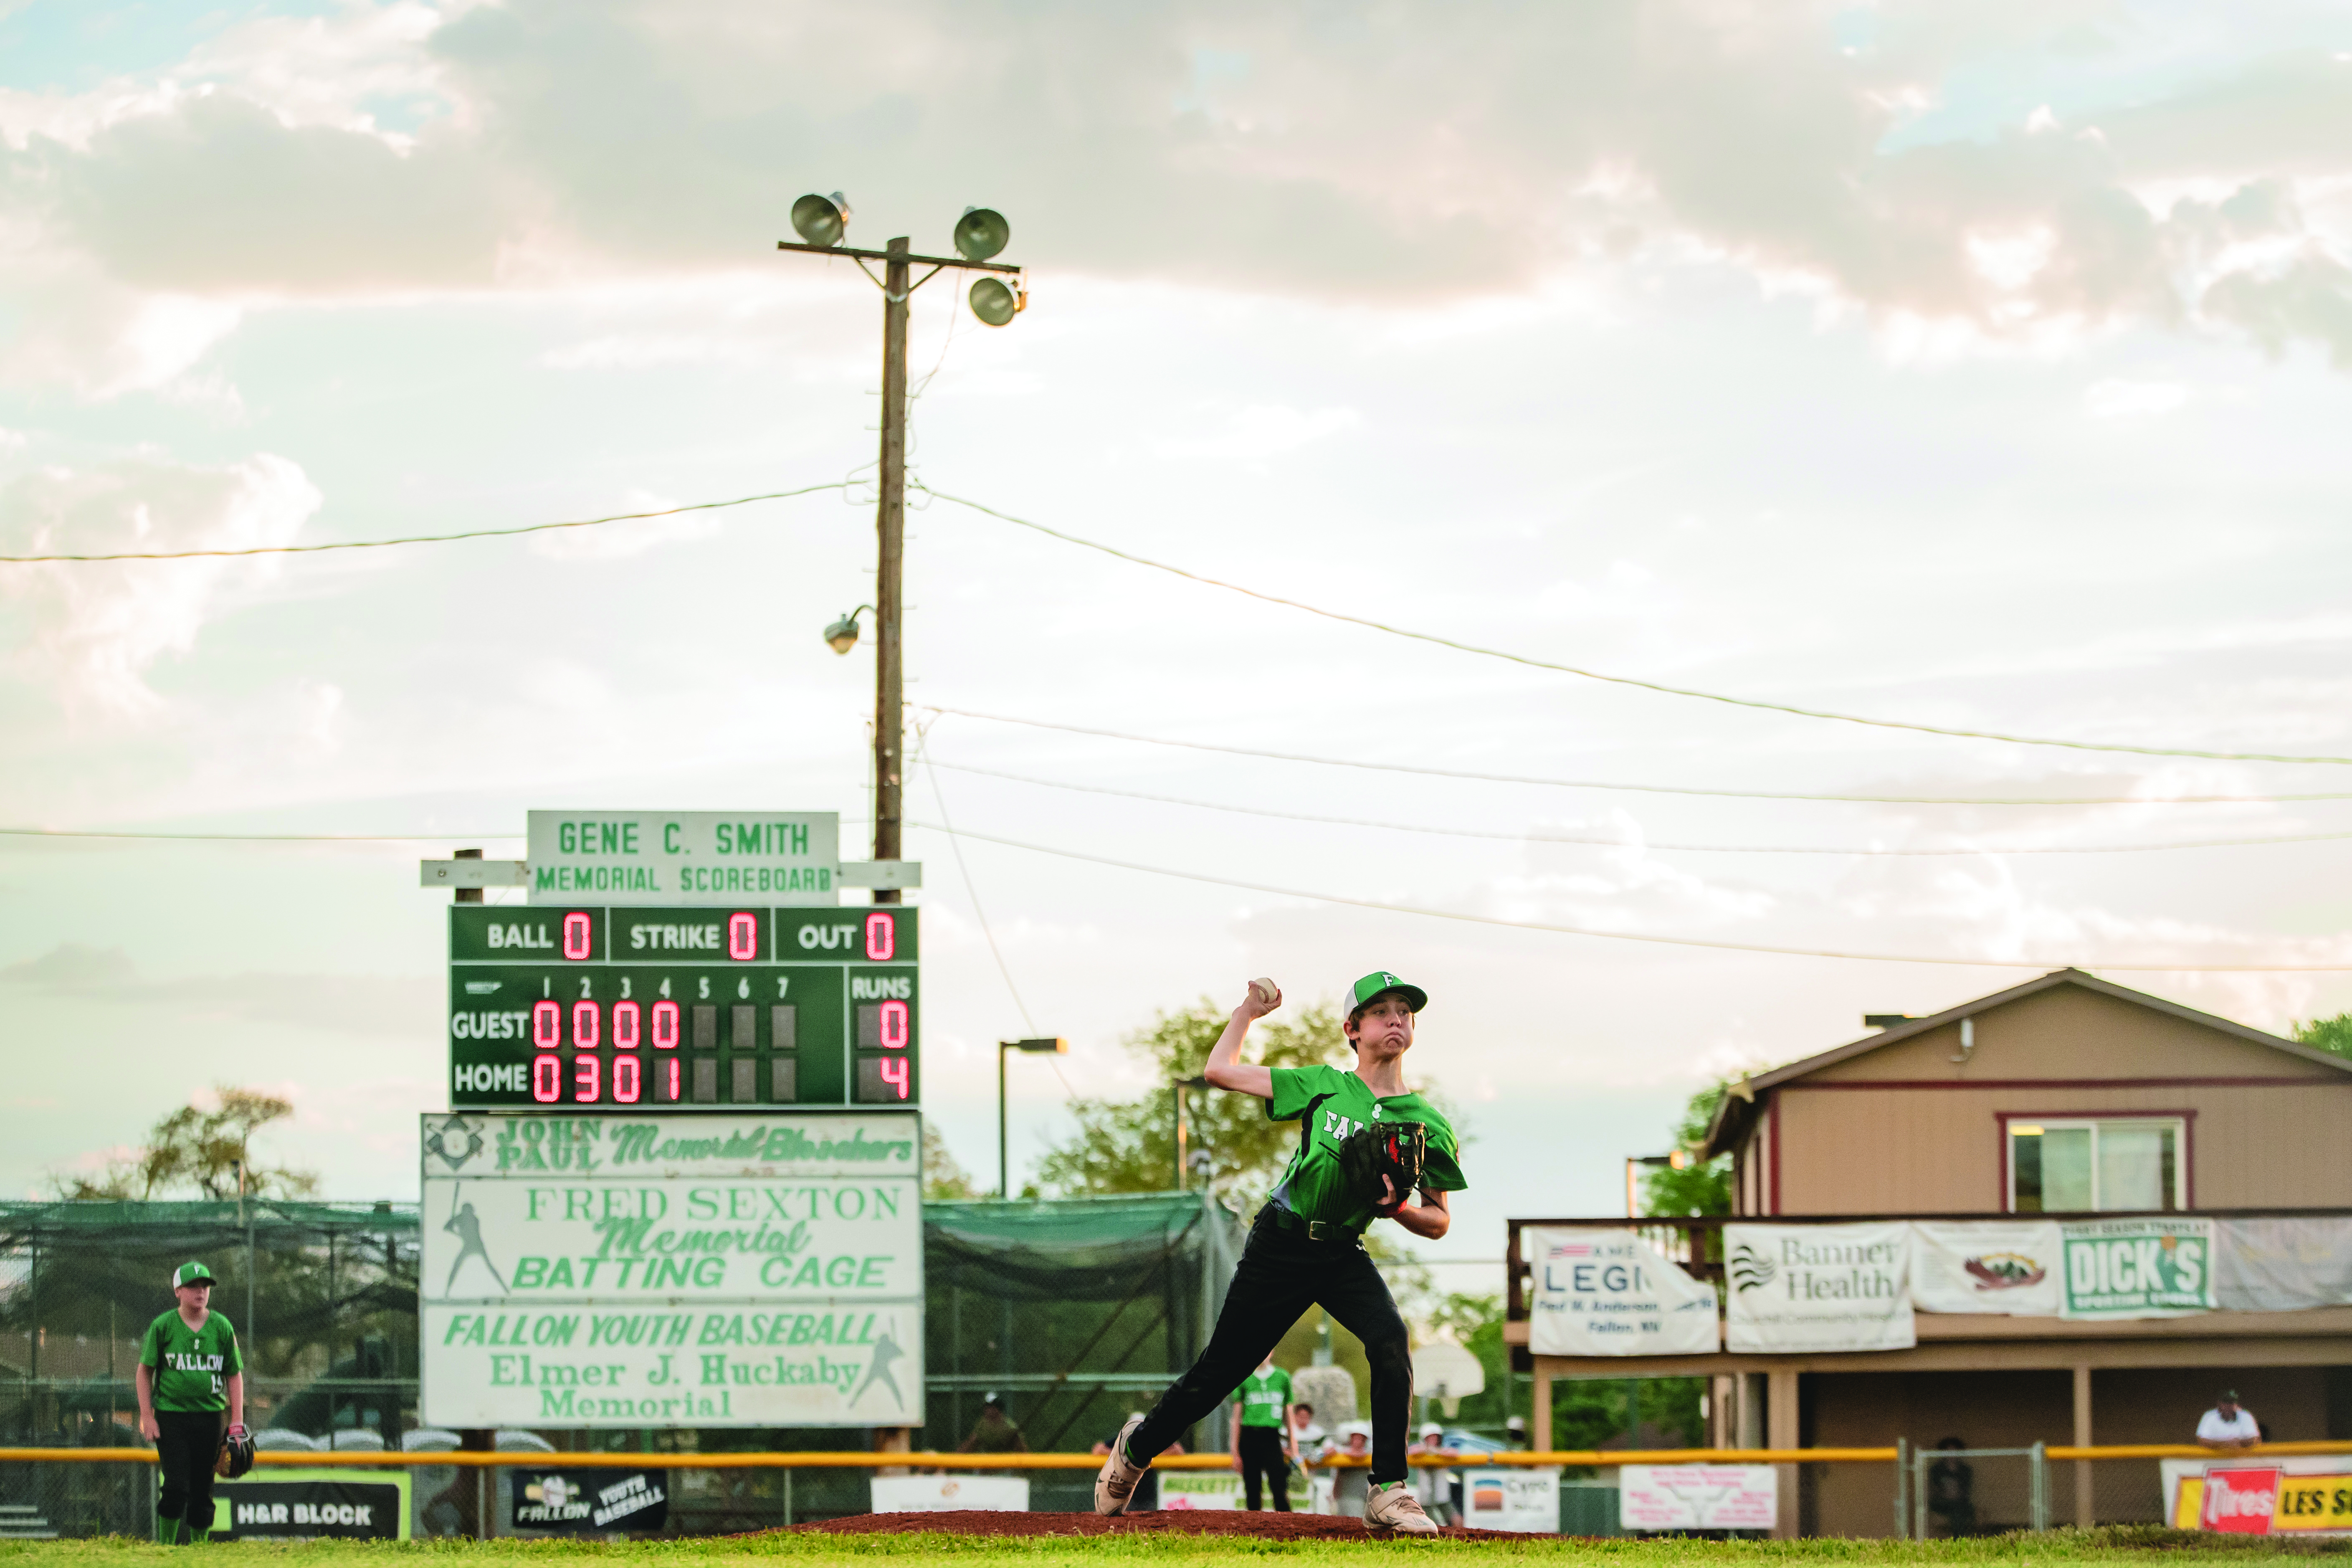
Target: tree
x,y
1698,1188
2333,1036
1129,1146
199,1151
943,1175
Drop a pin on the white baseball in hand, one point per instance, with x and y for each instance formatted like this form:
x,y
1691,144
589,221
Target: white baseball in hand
x,y
1266,992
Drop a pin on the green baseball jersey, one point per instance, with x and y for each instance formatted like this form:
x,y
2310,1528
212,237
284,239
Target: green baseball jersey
x,y
1265,1398
1312,1186
191,1366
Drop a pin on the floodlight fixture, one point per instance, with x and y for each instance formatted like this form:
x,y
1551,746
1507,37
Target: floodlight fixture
x,y
981,232
841,636
996,301
820,220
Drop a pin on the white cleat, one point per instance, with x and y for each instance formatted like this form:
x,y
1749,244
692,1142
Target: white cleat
x,y
1391,1510
1115,1482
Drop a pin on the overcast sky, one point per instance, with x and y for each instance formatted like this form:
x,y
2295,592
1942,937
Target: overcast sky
x,y
1981,365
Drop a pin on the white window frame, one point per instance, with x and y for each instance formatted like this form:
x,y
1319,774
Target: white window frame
x,y
2180,1125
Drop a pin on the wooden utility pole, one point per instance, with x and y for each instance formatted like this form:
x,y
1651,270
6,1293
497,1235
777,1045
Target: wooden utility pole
x,y
890,526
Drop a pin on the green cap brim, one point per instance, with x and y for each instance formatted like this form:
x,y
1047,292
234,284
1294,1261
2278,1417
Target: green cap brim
x,y
1379,984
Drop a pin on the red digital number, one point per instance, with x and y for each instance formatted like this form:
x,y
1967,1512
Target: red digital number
x,y
898,1078
626,1018
547,1079
576,929
894,1028
672,1066
881,937
547,1025
625,1080
742,937
588,1026
666,1027
587,1078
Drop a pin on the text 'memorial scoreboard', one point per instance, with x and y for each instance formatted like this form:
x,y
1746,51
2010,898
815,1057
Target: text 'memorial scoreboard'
x,y
681,1007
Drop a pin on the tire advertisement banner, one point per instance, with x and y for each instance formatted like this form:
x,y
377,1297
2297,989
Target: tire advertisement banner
x,y
589,1503
2009,1267
2119,1268
719,1269
1814,1288
2299,1495
312,1505
1609,1292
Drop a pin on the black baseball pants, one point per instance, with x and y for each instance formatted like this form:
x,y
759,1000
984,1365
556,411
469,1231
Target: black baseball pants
x,y
187,1443
1281,1275
1264,1460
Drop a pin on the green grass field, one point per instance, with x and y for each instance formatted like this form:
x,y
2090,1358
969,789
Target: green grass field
x,y
2152,1548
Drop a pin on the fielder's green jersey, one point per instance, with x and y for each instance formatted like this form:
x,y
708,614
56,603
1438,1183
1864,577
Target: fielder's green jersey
x,y
1312,1186
191,1366
1265,1398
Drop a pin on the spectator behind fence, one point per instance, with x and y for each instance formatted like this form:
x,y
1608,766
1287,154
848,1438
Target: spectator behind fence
x,y
1308,1439
190,1374
2228,1424
1351,1487
1952,1491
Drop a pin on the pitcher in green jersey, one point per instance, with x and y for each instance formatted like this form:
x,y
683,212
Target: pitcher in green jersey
x,y
1306,1248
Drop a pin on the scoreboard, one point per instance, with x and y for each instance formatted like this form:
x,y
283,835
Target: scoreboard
x,y
680,1008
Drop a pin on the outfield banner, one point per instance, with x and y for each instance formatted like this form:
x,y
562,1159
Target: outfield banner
x,y
1217,1490
589,1503
2304,1495
1985,1265
2136,1269
950,1493
309,1505
1698,1497
1814,1288
1608,1292
1525,1501
2282,1265
714,1269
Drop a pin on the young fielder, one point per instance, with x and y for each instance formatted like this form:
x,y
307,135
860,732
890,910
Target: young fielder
x,y
190,1374
1365,1147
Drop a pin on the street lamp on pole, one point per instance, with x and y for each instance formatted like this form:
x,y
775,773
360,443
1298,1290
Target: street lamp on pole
x,y
1000,295
1678,1161
1054,1045
1178,1105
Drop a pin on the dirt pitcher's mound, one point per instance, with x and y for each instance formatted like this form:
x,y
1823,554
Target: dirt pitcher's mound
x,y
1157,1521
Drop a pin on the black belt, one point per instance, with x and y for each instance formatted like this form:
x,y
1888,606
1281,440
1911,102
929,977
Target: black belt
x,y
1313,1230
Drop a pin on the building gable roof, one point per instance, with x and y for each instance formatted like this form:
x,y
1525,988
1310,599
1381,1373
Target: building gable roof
x,y
1739,1107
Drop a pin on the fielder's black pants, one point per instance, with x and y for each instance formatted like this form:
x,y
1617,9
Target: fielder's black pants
x,y
1281,1275
1263,1460
187,1442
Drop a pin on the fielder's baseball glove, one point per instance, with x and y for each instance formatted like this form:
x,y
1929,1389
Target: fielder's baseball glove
x,y
236,1455
1395,1149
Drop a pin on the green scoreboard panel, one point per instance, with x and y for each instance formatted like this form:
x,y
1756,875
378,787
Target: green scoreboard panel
x,y
678,1008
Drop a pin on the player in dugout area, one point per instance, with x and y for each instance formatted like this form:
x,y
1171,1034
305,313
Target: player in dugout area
x,y
191,1373
1366,1146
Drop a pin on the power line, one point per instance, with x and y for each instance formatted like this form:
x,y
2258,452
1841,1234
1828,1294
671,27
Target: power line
x,y
427,538
1636,788
1656,686
1636,936
253,837
1530,837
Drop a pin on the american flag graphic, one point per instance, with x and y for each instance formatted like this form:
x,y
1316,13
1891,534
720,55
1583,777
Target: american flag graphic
x,y
1574,1249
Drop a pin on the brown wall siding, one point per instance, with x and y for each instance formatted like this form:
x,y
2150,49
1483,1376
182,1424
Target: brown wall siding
x,y
2070,1033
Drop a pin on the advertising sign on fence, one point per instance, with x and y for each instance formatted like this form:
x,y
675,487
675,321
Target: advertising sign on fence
x,y
1698,1497
1524,1501
950,1493
305,1505
2301,1495
2007,1267
589,1502
2138,1268
1818,1287
1608,1292
720,1269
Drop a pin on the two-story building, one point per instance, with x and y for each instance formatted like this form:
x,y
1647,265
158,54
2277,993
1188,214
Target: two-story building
x,y
2064,1096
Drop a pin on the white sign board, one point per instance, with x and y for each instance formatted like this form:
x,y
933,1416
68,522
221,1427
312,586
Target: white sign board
x,y
1526,1501
1697,1497
950,1493
1608,1292
2006,1266
720,1269
1216,1490
685,858
1800,1287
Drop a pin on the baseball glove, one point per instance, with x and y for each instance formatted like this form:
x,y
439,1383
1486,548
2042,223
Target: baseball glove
x,y
1395,1149
235,1456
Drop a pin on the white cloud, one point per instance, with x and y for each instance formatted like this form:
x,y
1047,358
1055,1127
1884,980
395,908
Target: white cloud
x,y
1258,431
95,628
2117,398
